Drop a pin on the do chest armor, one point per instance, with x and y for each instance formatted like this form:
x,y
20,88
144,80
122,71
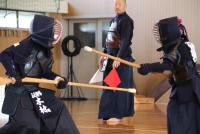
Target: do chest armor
x,y
34,65
113,37
180,71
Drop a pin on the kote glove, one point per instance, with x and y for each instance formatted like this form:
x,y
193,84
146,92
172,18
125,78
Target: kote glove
x,y
62,83
150,67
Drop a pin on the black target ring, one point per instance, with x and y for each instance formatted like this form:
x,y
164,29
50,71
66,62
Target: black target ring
x,y
77,45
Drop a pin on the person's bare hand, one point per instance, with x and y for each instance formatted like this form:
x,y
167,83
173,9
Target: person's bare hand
x,y
115,64
101,60
13,80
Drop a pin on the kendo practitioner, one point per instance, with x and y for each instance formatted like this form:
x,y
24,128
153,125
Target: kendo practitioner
x,y
114,105
179,57
32,109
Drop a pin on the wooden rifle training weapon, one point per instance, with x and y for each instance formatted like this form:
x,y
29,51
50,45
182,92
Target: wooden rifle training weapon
x,y
4,81
123,61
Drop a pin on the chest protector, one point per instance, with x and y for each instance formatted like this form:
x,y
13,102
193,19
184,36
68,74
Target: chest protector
x,y
34,65
180,71
113,37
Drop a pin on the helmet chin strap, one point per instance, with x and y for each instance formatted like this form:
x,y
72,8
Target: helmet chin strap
x,y
166,46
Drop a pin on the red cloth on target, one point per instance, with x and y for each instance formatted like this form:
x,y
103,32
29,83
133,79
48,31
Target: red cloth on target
x,y
112,79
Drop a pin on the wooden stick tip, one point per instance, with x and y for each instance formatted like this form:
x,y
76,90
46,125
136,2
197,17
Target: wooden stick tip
x,y
88,48
132,90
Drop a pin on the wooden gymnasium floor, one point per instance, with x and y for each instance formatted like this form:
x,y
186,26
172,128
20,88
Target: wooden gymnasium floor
x,y
148,119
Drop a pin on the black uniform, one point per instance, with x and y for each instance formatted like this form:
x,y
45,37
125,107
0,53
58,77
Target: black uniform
x,y
32,109
183,110
118,104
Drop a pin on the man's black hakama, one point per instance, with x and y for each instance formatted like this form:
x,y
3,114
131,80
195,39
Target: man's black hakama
x,y
118,104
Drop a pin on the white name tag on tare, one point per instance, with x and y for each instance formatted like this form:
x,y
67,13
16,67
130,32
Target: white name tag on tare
x,y
39,103
104,64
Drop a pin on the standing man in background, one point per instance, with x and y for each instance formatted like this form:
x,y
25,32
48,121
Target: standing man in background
x,y
116,105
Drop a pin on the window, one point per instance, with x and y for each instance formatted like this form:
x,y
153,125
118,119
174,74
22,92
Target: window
x,y
25,18
16,19
86,33
105,26
8,18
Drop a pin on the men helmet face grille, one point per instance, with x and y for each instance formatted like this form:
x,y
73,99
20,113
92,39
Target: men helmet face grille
x,y
57,32
156,33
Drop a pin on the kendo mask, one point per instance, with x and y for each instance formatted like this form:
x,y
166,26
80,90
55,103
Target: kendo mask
x,y
45,30
167,32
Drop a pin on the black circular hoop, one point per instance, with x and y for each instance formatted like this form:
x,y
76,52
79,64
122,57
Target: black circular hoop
x,y
77,45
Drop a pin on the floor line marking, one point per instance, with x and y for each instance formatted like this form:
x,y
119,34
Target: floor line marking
x,y
123,129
